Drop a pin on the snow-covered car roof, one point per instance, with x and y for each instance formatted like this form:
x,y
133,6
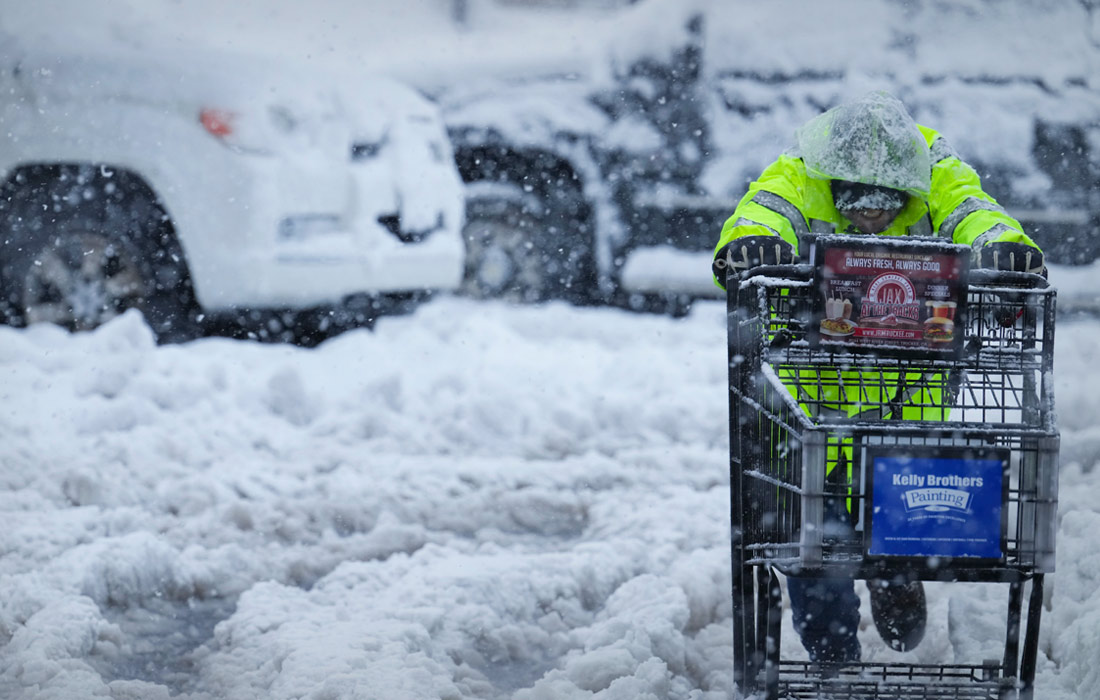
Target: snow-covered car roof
x,y
176,75
1054,42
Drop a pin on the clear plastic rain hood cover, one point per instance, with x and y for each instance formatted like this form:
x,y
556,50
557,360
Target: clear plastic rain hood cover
x,y
872,140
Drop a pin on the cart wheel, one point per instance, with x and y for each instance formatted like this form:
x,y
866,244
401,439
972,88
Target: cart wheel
x,y
773,602
744,627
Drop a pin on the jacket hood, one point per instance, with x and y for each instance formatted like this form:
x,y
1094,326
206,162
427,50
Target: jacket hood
x,y
873,141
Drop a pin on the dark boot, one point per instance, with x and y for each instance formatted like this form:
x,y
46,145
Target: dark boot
x,y
825,613
899,611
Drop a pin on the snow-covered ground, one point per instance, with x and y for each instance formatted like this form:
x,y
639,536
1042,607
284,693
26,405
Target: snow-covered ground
x,y
472,501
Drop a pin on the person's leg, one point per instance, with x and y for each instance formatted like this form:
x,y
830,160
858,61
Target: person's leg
x,y
826,610
900,612
826,616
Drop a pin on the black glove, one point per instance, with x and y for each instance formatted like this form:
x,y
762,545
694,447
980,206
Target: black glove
x,y
747,252
1018,257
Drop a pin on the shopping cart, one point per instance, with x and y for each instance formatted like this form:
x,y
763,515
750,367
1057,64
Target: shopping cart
x,y
966,496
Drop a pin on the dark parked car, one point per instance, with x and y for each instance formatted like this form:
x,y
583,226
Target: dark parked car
x,y
619,179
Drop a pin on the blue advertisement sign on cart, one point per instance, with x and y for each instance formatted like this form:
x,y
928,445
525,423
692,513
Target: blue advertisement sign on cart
x,y
944,503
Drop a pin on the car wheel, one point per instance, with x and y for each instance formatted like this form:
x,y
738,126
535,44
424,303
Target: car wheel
x,y
501,260
80,280
78,264
517,251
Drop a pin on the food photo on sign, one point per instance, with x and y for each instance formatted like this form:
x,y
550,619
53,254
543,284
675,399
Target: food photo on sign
x,y
903,295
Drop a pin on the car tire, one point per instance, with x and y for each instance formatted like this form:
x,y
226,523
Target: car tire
x,y
518,248
79,263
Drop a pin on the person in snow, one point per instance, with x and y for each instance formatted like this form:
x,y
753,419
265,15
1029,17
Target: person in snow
x,y
866,167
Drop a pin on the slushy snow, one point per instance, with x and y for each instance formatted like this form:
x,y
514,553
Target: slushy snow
x,y
473,501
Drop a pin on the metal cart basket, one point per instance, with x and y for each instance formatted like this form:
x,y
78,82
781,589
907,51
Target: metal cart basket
x,y
801,408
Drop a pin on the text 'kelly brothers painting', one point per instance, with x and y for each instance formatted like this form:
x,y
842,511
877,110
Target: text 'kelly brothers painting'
x,y
903,297
946,502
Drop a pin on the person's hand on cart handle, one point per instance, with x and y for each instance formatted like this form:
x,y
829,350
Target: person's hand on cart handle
x,y
1015,257
748,252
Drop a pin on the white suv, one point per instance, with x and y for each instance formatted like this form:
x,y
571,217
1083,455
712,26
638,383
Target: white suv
x,y
196,184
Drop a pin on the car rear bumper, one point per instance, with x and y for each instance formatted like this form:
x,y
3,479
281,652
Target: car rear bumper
x,y
667,270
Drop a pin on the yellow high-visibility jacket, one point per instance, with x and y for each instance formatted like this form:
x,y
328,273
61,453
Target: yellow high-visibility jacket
x,y
787,200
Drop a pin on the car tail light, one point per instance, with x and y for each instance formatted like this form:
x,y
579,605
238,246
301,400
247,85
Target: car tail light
x,y
219,122
242,132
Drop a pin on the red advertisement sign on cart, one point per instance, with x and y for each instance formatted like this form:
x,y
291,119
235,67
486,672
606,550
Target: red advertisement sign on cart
x,y
908,296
